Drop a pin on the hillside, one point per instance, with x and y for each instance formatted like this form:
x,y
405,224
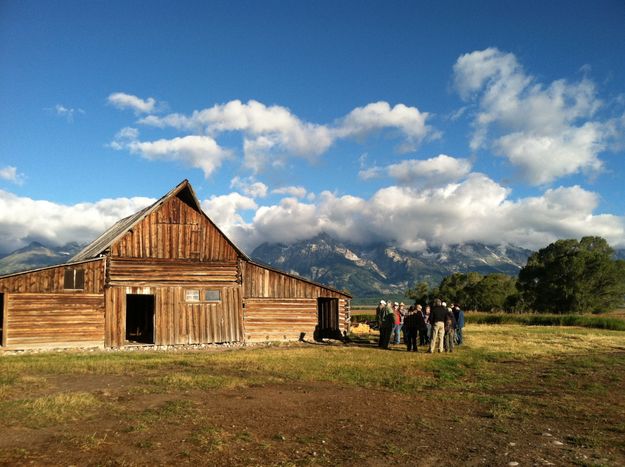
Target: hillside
x,y
36,255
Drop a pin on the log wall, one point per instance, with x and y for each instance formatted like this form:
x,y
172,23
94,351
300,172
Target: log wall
x,y
285,319
133,272
175,320
53,320
278,306
51,280
175,231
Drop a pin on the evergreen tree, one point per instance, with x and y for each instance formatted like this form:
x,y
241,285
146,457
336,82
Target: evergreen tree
x,y
572,276
493,292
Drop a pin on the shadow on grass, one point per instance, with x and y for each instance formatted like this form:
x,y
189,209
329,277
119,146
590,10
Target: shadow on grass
x,y
368,341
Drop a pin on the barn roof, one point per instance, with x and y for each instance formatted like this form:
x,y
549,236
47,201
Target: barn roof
x,y
44,268
119,229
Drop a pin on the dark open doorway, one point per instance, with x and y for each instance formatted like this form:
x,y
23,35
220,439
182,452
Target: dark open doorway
x,y
1,319
140,318
328,319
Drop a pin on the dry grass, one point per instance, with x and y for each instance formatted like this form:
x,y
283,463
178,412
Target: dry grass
x,y
48,410
532,341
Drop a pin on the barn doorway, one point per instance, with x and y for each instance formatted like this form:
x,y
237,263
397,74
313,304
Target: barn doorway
x,y
328,319
140,318
1,319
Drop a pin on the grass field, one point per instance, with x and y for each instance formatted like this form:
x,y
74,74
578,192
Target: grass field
x,y
528,394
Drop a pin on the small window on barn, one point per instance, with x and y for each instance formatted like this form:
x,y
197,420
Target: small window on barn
x,y
192,295
74,279
212,295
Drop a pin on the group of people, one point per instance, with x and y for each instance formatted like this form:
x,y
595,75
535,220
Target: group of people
x,y
439,326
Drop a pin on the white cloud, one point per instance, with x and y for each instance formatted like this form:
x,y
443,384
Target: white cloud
x,y
264,127
437,170
249,186
23,219
273,133
11,174
379,115
542,158
296,191
201,152
224,211
122,101
547,132
475,209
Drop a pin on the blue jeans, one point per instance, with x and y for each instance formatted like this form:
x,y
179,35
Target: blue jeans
x,y
459,336
396,334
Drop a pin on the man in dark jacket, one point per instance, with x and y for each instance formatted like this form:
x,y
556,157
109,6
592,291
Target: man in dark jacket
x,y
459,315
411,328
437,318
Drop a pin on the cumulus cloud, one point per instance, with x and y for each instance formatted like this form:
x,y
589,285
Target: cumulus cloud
x,y
10,173
546,131
265,127
409,121
249,186
295,191
122,101
438,170
476,209
23,220
273,133
225,211
201,152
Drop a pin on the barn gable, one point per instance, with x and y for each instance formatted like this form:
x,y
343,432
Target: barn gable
x,y
174,227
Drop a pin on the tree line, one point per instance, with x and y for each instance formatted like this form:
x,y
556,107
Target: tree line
x,y
567,276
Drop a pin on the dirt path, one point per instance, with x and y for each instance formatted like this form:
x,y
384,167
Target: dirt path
x,y
297,424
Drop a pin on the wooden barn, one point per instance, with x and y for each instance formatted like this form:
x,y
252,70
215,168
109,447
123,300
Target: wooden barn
x,y
164,276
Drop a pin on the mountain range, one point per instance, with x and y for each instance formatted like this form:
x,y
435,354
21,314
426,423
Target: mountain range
x,y
386,270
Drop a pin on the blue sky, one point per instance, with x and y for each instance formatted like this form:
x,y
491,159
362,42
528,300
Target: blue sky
x,y
415,123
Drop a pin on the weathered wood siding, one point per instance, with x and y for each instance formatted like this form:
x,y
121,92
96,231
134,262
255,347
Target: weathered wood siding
x,y
133,272
285,319
175,231
177,321
54,319
50,280
280,307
